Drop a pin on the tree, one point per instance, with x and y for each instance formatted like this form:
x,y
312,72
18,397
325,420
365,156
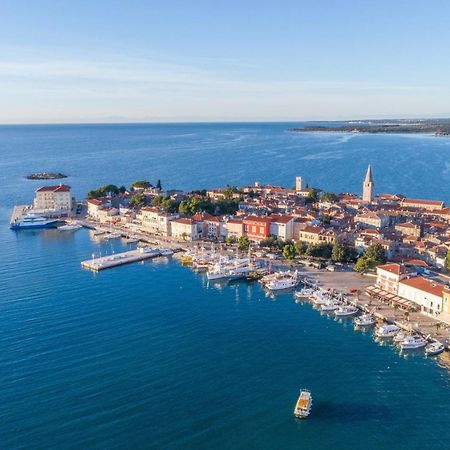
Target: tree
x,y
448,260
122,189
300,248
102,191
312,197
376,253
243,243
289,251
230,240
362,265
329,197
138,200
228,192
158,185
322,250
326,219
141,184
338,254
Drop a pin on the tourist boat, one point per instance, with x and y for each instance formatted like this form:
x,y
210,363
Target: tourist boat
x,y
70,227
284,280
32,221
413,341
303,405
387,331
331,305
365,320
346,310
434,348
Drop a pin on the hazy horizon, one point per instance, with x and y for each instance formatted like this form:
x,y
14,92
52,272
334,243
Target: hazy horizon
x,y
175,61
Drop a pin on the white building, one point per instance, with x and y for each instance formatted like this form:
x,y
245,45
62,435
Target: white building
x,y
389,276
426,293
53,198
185,228
154,221
282,227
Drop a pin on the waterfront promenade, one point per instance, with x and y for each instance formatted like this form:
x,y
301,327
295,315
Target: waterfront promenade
x,y
340,281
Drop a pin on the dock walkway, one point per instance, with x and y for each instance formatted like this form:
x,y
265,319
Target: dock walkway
x,y
119,259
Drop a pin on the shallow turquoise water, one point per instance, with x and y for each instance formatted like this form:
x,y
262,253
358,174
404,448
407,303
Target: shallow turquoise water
x,y
150,356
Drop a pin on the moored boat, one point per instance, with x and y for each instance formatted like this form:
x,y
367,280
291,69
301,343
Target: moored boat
x,y
365,320
331,305
346,310
70,227
32,221
434,348
303,406
387,331
413,341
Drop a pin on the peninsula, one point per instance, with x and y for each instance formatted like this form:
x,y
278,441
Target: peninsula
x,y
438,127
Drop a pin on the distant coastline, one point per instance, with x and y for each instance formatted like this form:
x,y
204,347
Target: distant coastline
x,y
437,127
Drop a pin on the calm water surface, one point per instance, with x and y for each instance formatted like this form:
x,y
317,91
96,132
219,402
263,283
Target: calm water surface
x,y
150,355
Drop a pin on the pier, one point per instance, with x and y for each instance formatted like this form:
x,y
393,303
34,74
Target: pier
x,y
119,259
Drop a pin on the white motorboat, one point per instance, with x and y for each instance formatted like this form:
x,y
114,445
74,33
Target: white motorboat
x,y
331,305
346,310
303,406
304,293
319,297
434,348
283,280
166,252
218,272
365,320
387,331
413,341
400,337
70,227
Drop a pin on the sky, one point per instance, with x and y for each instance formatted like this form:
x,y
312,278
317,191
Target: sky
x,y
197,60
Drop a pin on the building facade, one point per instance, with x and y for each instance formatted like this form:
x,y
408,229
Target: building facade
x,y
54,198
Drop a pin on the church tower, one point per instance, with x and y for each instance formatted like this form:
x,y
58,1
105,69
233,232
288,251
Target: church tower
x,y
368,186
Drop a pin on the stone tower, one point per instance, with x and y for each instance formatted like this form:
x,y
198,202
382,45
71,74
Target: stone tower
x,y
368,186
298,183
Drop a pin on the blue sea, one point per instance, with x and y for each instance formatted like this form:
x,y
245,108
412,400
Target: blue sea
x,y
149,356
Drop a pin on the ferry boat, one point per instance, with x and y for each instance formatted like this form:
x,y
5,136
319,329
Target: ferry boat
x,y
387,331
365,320
303,405
346,310
413,341
32,221
434,348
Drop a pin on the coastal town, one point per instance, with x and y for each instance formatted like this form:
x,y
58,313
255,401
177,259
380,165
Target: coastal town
x,y
401,245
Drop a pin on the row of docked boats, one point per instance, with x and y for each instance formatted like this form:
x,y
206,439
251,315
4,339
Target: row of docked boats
x,y
221,267
409,341
327,302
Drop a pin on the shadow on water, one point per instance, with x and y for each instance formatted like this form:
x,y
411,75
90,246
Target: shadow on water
x,y
346,411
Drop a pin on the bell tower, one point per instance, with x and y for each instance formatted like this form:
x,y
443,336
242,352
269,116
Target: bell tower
x,y
368,186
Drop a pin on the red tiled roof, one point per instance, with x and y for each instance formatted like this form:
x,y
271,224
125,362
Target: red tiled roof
x,y
412,201
425,285
281,219
58,188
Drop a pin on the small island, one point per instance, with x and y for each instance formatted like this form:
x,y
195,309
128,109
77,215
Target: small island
x,y
46,176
